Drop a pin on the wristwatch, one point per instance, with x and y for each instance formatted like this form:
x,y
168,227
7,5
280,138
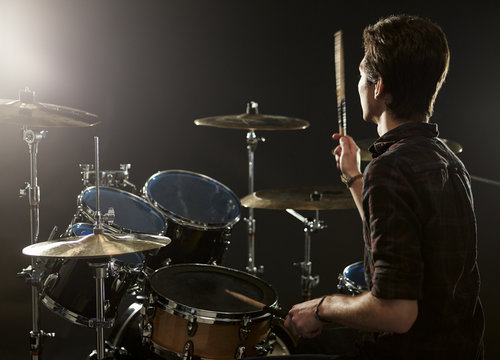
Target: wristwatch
x,y
348,181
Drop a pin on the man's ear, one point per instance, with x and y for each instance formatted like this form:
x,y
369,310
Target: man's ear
x,y
379,88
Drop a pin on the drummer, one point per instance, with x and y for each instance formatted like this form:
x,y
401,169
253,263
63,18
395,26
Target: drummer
x,y
415,201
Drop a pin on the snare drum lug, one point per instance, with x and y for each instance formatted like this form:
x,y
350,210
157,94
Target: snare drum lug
x,y
109,216
178,232
150,311
188,350
244,330
192,326
147,331
93,323
240,352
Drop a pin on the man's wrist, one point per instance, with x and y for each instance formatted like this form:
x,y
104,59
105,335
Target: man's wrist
x,y
349,180
316,311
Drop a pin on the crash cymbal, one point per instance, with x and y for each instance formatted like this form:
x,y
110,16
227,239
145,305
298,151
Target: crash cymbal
x,y
40,115
301,198
366,155
254,122
96,245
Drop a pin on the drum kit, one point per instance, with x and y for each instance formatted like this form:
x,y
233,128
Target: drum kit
x,y
164,246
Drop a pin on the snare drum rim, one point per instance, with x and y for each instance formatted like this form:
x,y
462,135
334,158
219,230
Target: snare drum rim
x,y
183,221
90,214
210,316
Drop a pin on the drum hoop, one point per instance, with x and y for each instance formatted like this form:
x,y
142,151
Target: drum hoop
x,y
181,220
65,313
133,309
210,316
90,214
168,354
207,316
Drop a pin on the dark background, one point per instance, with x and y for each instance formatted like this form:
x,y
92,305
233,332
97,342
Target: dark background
x,y
150,68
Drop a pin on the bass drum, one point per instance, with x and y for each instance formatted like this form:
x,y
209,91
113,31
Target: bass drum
x,y
125,340
200,213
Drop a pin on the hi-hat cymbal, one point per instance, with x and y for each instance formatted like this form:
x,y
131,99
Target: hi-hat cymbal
x,y
301,198
96,245
366,155
254,122
41,115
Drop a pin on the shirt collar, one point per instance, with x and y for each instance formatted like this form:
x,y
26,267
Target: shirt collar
x,y
402,131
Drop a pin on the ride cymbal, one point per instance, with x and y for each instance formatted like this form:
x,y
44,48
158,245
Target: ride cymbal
x,y
254,122
96,245
301,198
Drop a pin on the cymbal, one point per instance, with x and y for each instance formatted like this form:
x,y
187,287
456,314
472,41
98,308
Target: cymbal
x,y
96,245
299,198
366,155
254,122
41,115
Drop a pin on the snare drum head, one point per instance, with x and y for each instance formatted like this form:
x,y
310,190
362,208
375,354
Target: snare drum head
x,y
189,197
204,287
132,213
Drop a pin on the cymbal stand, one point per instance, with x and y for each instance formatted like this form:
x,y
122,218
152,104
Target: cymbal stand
x,y
32,275
252,142
307,280
101,270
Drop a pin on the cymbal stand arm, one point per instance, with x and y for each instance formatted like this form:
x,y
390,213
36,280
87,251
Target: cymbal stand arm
x,y
252,141
33,138
307,280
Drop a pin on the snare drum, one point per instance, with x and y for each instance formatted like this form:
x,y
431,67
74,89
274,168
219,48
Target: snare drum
x,y
352,280
200,213
125,339
194,315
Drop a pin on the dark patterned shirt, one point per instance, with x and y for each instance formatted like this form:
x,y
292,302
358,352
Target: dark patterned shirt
x,y
420,243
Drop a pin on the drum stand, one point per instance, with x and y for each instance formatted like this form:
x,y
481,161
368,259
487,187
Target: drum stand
x,y
99,323
307,280
31,274
252,141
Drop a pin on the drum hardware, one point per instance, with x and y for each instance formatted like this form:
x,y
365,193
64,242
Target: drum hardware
x,y
29,114
110,178
307,280
252,120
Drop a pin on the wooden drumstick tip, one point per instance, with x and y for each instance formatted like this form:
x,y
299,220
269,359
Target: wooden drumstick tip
x,y
246,299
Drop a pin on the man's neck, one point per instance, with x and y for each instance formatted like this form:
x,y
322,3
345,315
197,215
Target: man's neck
x,y
388,122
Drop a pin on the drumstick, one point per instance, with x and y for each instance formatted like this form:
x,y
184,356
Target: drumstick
x,y
339,83
257,304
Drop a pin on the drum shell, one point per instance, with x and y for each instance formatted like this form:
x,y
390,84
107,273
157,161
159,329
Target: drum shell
x,y
210,341
200,213
68,289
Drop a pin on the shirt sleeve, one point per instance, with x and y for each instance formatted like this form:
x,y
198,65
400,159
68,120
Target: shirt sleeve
x,y
392,233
